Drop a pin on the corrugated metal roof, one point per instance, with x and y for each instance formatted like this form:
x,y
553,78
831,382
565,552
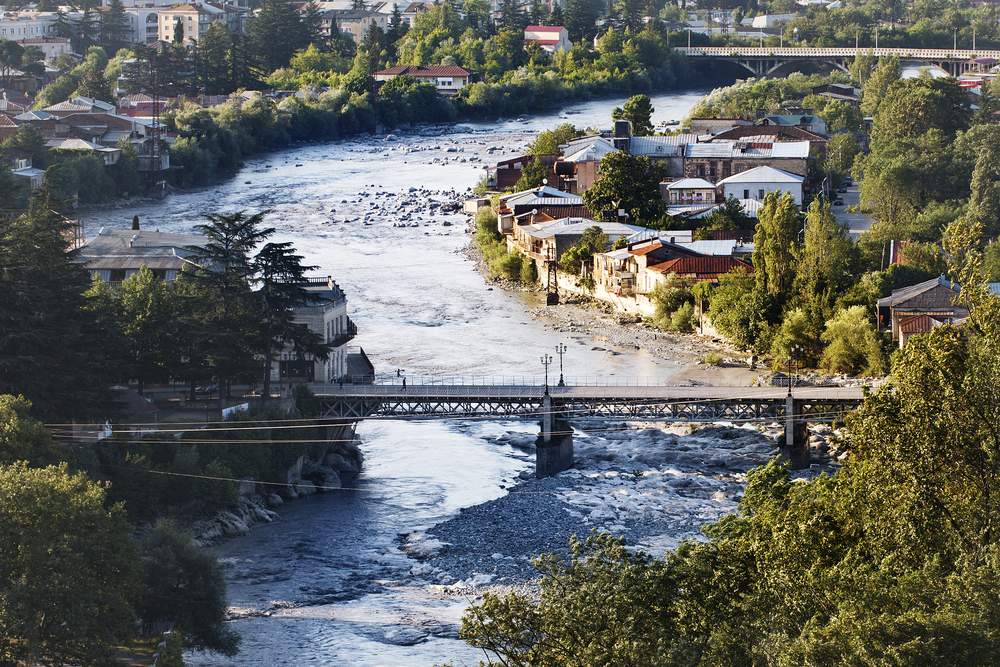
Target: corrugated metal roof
x,y
691,184
790,149
906,293
762,175
657,146
918,324
722,149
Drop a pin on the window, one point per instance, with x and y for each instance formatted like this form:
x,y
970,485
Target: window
x,y
746,194
761,194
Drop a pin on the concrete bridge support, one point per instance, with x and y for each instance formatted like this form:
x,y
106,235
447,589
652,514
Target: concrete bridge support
x,y
554,447
795,447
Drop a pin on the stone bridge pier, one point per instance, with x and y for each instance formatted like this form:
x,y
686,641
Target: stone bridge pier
x,y
554,447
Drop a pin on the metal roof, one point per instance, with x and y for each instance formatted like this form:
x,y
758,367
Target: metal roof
x,y
762,175
722,149
691,184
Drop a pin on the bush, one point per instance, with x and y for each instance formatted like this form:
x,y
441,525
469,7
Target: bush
x,y
509,265
215,494
529,273
683,318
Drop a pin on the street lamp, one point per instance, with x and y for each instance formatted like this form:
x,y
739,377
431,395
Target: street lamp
x,y
561,350
793,354
546,360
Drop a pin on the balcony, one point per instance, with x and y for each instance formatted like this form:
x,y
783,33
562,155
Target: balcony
x,y
344,337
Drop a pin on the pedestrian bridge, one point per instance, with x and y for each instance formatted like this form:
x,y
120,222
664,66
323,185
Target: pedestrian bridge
x,y
766,61
690,400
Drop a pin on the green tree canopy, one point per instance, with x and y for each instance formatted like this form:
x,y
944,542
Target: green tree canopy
x,y
627,182
68,569
637,110
185,585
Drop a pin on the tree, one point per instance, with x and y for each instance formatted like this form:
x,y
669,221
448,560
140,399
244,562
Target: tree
x,y
48,350
727,216
275,34
478,12
94,85
628,182
185,585
148,317
115,27
592,241
312,19
638,110
853,344
548,141
68,570
580,15
227,308
281,276
742,310
11,54
878,85
532,175
603,605
774,243
215,60
24,438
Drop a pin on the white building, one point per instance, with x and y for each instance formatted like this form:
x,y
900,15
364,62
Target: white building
x,y
22,25
52,47
757,182
143,23
551,38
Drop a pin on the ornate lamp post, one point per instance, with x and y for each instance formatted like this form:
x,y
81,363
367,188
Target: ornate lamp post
x,y
793,356
546,360
561,350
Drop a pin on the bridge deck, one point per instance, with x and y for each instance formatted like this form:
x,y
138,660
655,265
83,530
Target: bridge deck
x,y
673,403
809,52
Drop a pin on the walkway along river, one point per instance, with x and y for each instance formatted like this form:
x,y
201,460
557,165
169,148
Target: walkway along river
x,y
329,583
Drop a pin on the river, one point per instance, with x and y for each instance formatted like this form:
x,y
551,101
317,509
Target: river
x,y
327,584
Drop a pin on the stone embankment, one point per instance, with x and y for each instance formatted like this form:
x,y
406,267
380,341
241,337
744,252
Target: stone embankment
x,y
257,501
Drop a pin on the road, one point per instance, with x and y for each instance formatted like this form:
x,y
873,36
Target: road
x,y
856,222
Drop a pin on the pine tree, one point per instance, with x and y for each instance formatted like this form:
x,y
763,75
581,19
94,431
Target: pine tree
x,y
275,34
282,276
49,349
114,27
215,60
227,308
312,17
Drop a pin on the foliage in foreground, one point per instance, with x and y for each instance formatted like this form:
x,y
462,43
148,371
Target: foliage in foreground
x,y
893,561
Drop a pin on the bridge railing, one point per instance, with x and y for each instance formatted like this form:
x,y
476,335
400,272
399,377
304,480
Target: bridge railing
x,y
805,51
614,381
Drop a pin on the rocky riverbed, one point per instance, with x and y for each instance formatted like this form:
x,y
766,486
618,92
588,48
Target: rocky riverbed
x,y
653,484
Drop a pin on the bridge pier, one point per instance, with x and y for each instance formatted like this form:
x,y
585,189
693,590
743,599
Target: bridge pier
x,y
795,447
554,447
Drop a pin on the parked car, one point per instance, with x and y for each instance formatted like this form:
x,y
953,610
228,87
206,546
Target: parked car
x,y
848,182
842,189
838,202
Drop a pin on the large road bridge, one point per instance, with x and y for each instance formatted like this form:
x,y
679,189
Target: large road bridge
x,y
765,61
553,406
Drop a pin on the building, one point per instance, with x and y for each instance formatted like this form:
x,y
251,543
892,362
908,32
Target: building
x,y
448,79
523,207
116,254
547,241
919,308
809,122
327,316
144,22
354,22
689,192
757,182
196,18
580,165
412,10
51,46
720,159
508,172
25,24
551,38
21,166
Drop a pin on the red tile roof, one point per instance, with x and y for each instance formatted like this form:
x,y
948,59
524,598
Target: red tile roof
x,y
426,70
702,267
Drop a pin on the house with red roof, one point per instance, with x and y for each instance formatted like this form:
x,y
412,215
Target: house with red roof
x,y
551,38
448,79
